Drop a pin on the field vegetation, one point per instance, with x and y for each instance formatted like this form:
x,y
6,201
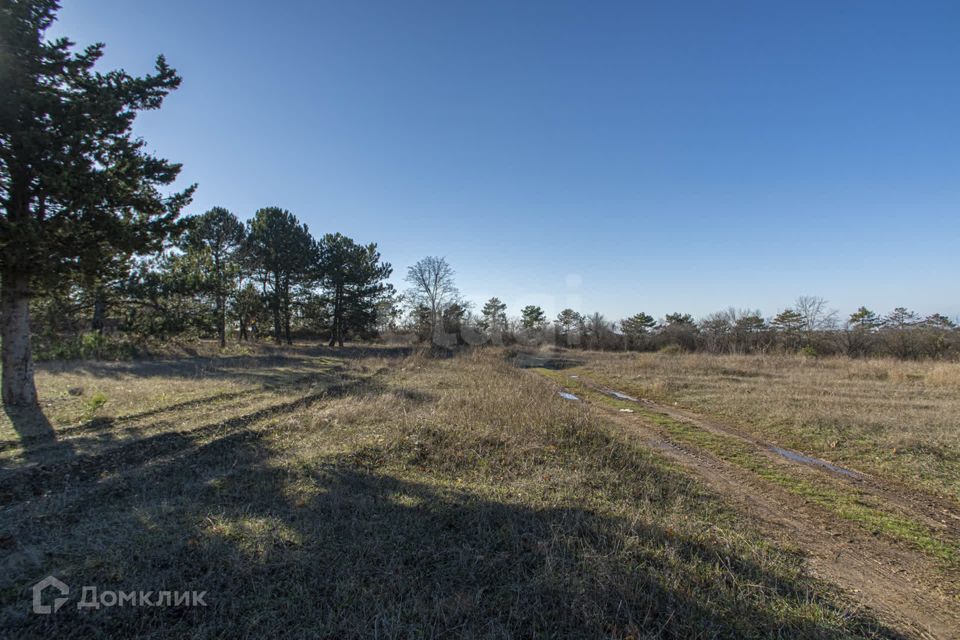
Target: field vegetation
x,y
884,416
379,492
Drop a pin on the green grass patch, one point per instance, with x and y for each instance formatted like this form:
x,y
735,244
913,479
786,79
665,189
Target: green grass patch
x,y
848,503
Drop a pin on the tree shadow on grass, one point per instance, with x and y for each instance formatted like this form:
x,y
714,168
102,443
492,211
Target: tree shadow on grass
x,y
35,433
268,368
326,548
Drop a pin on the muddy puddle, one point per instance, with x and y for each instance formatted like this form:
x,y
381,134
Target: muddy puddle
x,y
799,457
531,361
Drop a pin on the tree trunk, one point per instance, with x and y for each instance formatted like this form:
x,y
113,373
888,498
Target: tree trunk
x,y
243,327
99,310
222,321
18,386
276,309
335,324
286,310
336,330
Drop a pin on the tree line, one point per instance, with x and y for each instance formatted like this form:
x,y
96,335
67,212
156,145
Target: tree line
x,y
440,315
217,276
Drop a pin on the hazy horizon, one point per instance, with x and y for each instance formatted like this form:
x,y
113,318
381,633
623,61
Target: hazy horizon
x,y
612,158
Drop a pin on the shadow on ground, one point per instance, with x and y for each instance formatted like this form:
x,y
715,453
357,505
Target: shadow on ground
x,y
268,368
36,434
328,548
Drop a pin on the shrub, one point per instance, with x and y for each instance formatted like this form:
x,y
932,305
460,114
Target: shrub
x,y
672,350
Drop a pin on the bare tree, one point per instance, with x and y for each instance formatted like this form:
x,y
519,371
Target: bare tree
x,y
816,315
432,287
598,330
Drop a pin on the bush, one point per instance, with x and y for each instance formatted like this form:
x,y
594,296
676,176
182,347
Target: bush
x,y
85,346
94,403
672,350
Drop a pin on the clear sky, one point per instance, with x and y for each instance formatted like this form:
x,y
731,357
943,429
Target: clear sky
x,y
613,157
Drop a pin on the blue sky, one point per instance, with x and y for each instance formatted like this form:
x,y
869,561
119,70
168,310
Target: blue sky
x,y
613,157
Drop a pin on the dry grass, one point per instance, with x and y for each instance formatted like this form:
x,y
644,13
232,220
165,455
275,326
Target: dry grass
x,y
380,495
894,418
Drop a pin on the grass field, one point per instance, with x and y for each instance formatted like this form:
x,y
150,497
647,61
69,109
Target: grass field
x,y
898,419
378,493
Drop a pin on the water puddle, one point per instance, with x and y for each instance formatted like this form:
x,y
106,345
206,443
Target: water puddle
x,y
799,457
623,396
568,396
532,361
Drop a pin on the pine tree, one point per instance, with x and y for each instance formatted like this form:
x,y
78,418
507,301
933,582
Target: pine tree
x,y
283,249
353,279
532,317
493,316
76,185
864,319
216,239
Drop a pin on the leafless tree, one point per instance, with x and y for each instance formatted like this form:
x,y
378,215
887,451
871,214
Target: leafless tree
x,y
432,287
816,315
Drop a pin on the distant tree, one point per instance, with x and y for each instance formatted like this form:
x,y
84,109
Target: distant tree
x,y
900,318
636,328
454,316
717,330
248,308
532,317
938,335
598,330
354,280
816,316
751,322
288,256
493,316
858,337
733,331
679,329
939,321
749,330
788,320
790,324
420,321
568,325
568,320
216,237
864,319
679,319
899,335
432,287
76,185
388,310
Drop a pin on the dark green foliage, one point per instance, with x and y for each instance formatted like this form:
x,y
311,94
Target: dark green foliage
x,y
493,316
636,328
680,329
214,241
863,318
353,280
286,258
78,189
454,316
532,317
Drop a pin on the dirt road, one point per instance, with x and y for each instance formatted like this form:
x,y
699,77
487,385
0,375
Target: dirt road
x,y
914,590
